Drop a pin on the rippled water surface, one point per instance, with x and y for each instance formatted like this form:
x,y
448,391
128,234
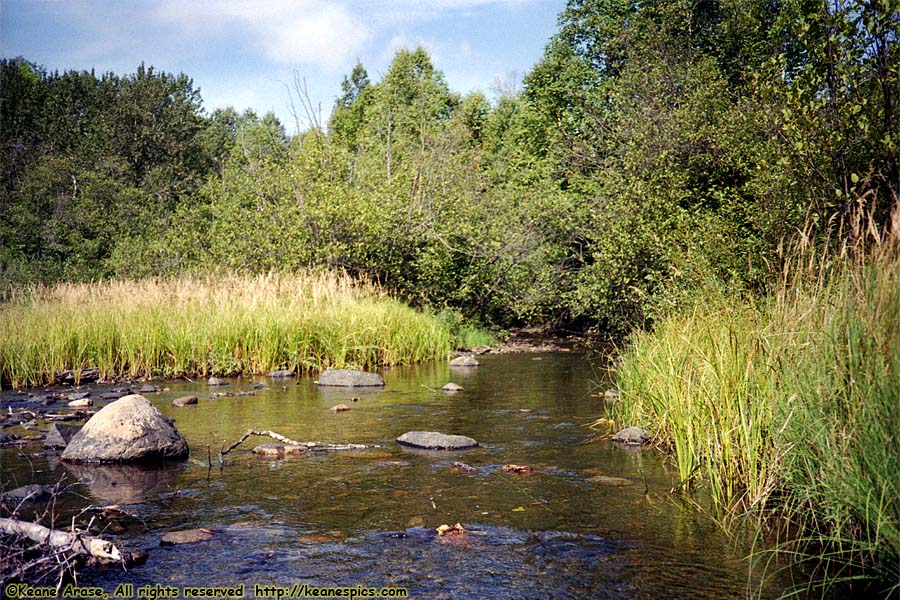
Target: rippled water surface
x,y
368,517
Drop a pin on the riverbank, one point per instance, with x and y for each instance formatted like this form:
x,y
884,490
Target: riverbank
x,y
788,406
216,325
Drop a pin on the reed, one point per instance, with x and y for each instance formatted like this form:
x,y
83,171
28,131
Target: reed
x,y
214,324
790,405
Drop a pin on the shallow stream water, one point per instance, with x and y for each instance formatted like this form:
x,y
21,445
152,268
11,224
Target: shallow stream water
x,y
367,518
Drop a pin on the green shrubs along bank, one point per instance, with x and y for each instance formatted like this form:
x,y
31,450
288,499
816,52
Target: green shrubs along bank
x,y
790,406
212,325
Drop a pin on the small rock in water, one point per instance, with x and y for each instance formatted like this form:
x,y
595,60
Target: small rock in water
x,y
350,378
415,522
59,435
185,400
269,450
278,450
216,381
83,403
148,389
110,395
78,395
461,467
258,386
85,376
339,408
633,436
186,536
518,469
452,387
7,438
434,440
457,529
29,493
281,373
464,361
610,481
135,557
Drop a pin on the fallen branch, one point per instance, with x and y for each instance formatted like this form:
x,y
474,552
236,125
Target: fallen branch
x,y
62,540
310,445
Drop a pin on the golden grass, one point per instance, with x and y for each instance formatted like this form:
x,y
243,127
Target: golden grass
x,y
214,324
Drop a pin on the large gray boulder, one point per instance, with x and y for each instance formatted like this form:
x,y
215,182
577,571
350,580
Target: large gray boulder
x,y
127,430
433,440
349,378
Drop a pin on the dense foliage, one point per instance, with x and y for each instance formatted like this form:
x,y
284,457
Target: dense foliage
x,y
789,406
655,148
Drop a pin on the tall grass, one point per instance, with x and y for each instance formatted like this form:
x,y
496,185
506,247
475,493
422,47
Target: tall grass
x,y
217,324
790,405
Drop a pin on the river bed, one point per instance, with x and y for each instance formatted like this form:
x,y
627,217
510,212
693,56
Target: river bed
x,y
367,518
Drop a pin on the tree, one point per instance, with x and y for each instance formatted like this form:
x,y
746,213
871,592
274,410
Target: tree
x,y
347,117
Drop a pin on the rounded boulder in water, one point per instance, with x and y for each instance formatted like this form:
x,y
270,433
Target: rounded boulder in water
x,y
127,430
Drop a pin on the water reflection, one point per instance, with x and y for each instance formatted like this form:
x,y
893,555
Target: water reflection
x,y
126,484
348,518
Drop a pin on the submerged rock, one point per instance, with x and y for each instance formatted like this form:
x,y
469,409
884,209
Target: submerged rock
x,y
461,467
29,493
148,389
186,536
216,381
277,450
185,401
434,440
452,387
127,430
269,450
350,378
518,469
60,435
7,438
610,481
633,436
464,361
339,408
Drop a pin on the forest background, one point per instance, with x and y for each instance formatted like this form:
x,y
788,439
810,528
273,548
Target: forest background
x,y
656,150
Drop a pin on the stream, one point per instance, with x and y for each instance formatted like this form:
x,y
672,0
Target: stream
x,y
368,518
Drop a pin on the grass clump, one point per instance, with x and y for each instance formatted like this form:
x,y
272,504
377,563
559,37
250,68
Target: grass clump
x,y
215,324
790,405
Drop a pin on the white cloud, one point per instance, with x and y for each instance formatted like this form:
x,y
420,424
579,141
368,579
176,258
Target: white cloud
x,y
306,32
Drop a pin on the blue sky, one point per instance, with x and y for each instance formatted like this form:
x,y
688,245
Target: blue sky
x,y
245,53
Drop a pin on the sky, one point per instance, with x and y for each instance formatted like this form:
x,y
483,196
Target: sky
x,y
250,53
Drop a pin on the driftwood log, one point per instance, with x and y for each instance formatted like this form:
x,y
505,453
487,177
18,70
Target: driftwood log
x,y
309,445
62,540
